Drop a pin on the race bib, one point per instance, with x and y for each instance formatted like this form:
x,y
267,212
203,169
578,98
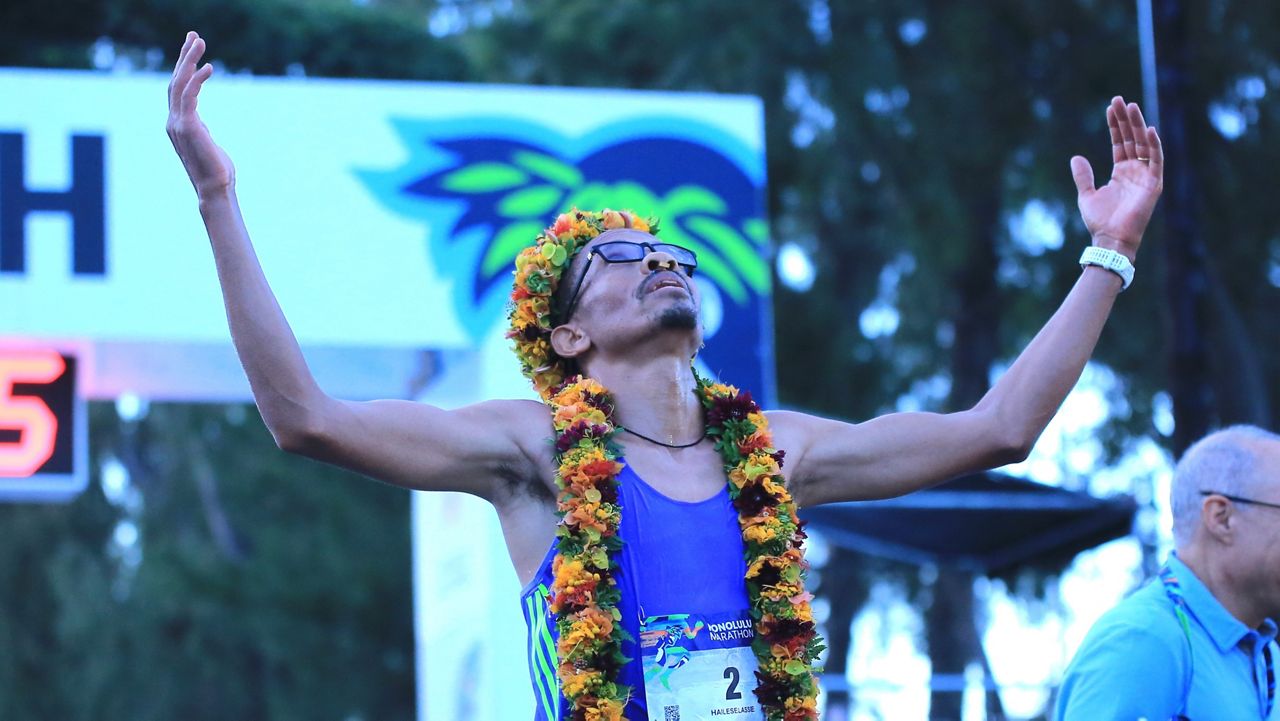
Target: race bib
x,y
699,667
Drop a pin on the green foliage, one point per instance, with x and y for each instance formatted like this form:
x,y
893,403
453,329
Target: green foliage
x,y
330,38
302,610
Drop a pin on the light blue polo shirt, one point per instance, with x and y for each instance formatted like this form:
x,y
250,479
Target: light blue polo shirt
x,y
1136,662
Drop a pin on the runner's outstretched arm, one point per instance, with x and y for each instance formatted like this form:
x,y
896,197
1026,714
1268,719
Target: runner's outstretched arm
x,y
479,449
831,461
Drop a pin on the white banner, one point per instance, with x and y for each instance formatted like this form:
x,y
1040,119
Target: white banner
x,y
101,239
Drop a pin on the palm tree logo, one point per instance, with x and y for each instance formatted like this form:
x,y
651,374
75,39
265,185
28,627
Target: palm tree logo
x,y
484,188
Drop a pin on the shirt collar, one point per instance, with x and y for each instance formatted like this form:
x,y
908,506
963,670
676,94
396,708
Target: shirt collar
x,y
1226,630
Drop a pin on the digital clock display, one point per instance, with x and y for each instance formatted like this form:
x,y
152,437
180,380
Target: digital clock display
x,y
41,426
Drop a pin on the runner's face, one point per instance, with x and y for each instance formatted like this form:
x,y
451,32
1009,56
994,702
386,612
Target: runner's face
x,y
609,285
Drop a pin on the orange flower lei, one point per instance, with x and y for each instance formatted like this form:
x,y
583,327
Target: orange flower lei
x,y
786,643
584,592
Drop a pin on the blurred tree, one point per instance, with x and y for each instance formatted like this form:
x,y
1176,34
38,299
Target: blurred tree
x,y
1216,64
917,154
217,578
330,38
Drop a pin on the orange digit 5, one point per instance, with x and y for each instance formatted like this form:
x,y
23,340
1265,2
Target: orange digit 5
x,y
36,424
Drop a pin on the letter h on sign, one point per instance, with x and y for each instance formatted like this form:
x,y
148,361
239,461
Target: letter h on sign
x,y
84,201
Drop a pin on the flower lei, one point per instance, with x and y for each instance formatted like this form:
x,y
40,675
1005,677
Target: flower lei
x,y
584,592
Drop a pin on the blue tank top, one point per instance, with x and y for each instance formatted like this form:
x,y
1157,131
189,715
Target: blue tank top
x,y
677,557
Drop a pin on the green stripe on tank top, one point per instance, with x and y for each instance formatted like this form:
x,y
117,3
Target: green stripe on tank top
x,y
537,622
549,645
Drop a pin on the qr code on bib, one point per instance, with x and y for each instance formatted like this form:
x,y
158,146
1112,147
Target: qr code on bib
x,y
672,713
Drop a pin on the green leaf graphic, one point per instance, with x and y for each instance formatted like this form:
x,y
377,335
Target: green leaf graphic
x,y
548,168
709,261
538,200
758,231
688,199
740,253
484,178
507,244
628,195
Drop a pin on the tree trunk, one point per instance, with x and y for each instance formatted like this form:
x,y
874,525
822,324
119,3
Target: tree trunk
x,y
1186,283
977,317
845,586
951,625
953,638
1239,382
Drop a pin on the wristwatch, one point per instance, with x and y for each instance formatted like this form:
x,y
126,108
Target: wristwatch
x,y
1111,260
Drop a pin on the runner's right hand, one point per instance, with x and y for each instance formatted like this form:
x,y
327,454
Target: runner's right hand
x,y
209,168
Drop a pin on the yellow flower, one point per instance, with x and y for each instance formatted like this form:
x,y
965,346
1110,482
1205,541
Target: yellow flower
x,y
570,395
721,390
589,626
758,565
576,393
583,468
575,683
612,219
567,415
605,710
777,490
804,707
526,314
781,591
762,532
545,379
760,464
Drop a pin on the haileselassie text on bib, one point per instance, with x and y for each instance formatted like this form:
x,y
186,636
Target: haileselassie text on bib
x,y
699,667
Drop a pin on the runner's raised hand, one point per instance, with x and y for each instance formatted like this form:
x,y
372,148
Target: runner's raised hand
x,y
207,165
1117,213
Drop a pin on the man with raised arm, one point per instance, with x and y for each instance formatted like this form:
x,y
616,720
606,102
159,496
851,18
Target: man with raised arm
x,y
656,535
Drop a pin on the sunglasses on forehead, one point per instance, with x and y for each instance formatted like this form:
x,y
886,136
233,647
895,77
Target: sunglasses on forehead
x,y
626,251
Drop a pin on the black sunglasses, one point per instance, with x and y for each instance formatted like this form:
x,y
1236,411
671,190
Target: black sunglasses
x,y
626,251
1238,499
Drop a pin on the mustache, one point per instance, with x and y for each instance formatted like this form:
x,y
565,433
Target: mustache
x,y
659,276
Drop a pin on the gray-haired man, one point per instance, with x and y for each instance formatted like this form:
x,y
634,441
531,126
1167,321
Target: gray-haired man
x,y
1199,642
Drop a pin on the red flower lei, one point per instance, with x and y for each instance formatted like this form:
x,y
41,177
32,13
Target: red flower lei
x,y
584,592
